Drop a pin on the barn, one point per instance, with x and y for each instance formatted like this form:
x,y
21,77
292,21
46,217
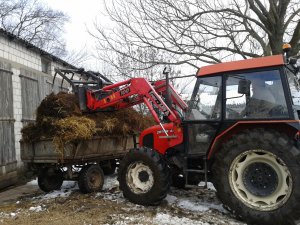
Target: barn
x,y
25,79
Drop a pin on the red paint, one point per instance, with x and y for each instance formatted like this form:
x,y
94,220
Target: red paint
x,y
254,63
161,145
211,150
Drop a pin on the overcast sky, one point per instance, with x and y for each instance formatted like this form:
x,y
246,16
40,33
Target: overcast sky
x,y
83,14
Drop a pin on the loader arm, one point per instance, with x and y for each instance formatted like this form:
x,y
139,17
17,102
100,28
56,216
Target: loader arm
x,y
136,91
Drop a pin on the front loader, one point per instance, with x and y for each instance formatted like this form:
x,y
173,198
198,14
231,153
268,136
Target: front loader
x,y
240,130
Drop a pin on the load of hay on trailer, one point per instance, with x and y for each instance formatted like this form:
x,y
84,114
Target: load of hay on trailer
x,y
60,118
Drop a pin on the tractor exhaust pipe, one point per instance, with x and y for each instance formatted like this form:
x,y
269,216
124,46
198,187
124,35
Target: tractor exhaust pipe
x,y
168,91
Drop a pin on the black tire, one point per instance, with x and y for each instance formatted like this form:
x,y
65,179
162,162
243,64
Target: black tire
x,y
249,173
50,179
91,179
152,181
110,168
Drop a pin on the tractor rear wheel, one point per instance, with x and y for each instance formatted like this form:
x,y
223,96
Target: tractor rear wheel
x,y
144,176
91,179
256,175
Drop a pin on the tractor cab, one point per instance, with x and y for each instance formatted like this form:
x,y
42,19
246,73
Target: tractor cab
x,y
240,131
242,92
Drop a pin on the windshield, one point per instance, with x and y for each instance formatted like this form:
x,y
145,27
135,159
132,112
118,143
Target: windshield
x,y
206,102
294,86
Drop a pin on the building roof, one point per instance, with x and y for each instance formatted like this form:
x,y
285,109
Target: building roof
x,y
254,63
32,47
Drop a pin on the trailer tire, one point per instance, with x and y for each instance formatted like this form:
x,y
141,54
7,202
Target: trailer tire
x,y
91,179
144,176
50,179
257,175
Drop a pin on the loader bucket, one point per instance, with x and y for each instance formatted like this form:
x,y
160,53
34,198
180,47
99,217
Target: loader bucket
x,y
78,81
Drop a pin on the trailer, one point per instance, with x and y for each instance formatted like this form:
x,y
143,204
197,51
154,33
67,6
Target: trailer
x,y
86,161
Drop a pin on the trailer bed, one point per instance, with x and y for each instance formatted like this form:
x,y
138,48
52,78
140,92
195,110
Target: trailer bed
x,y
86,162
96,149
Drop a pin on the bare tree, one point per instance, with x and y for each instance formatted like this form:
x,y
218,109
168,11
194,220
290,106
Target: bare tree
x,y
139,64
36,23
78,57
193,31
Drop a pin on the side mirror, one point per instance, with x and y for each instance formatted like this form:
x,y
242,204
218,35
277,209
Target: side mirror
x,y
244,87
293,61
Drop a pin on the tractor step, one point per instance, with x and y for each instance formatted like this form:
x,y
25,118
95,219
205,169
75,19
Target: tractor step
x,y
196,186
195,171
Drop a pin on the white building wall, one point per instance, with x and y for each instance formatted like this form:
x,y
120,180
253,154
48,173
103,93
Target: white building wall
x,y
17,105
17,53
20,57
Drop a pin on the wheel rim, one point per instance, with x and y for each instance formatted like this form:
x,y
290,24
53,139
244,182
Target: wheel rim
x,y
139,177
260,179
94,179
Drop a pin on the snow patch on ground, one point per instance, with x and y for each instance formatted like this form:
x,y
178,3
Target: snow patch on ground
x,y
110,190
193,205
36,208
8,215
171,199
197,206
210,185
159,218
167,219
33,182
67,188
110,182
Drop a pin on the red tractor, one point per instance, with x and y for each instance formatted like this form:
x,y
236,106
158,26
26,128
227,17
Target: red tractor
x,y
240,130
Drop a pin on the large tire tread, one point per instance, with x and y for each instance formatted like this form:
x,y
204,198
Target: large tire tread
x,y
275,142
161,176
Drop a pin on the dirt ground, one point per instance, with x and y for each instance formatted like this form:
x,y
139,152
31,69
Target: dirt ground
x,y
68,206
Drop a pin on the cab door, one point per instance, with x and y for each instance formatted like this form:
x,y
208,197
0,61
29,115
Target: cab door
x,y
203,118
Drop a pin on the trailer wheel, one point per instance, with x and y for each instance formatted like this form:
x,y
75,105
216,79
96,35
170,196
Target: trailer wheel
x,y
256,175
144,176
110,168
91,179
50,179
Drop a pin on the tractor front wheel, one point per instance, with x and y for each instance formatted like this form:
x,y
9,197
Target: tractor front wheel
x,y
256,175
144,176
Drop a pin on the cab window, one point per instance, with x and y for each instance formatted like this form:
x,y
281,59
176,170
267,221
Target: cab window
x,y
255,95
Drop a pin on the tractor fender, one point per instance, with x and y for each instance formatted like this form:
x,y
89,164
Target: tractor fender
x,y
289,127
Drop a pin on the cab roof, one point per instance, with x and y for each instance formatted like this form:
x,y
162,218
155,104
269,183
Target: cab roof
x,y
254,63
